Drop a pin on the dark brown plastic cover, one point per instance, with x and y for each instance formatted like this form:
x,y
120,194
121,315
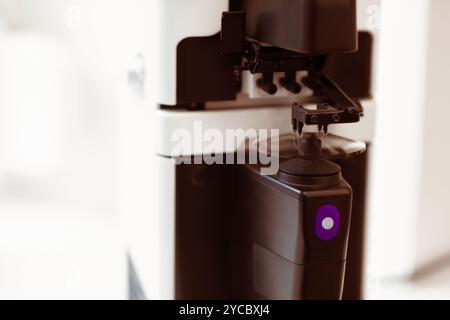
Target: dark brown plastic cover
x,y
305,26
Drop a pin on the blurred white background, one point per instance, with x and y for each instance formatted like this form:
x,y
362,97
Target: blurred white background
x,y
69,71
74,80
409,213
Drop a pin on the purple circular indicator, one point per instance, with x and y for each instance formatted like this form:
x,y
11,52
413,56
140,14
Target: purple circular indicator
x,y
327,222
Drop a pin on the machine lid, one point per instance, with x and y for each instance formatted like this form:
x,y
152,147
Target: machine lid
x,y
309,168
311,146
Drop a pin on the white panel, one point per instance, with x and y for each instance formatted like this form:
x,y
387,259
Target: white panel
x,y
179,19
146,199
277,117
166,227
151,231
251,118
434,218
398,143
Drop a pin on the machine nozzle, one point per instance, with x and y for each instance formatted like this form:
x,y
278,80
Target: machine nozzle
x,y
290,83
266,83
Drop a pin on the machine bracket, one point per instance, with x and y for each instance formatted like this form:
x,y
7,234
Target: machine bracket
x,y
334,107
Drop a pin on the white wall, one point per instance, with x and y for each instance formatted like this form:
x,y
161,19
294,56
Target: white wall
x,y
409,211
64,133
433,225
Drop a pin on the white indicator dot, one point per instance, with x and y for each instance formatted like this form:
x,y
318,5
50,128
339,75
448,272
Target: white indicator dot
x,y
328,223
